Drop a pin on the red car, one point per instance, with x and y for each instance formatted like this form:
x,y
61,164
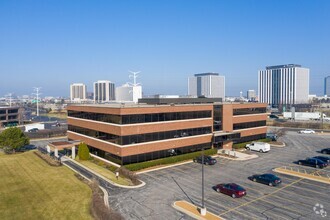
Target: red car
x,y
231,189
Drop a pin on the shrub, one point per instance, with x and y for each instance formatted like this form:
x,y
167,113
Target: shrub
x,y
12,139
129,174
83,151
168,160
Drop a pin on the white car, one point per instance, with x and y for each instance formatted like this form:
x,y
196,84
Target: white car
x,y
306,131
258,146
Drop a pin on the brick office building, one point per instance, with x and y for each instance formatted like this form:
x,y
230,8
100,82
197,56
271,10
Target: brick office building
x,y
134,133
9,116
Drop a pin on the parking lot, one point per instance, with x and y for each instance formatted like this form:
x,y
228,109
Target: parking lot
x,y
295,198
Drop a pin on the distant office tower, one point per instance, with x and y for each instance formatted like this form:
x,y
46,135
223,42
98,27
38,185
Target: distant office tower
x,y
78,92
90,95
104,91
210,85
327,86
251,95
128,93
283,84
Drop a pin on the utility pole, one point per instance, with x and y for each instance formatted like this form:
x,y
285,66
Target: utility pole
x,y
203,209
37,90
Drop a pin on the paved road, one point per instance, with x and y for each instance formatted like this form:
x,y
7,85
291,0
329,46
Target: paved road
x,y
294,199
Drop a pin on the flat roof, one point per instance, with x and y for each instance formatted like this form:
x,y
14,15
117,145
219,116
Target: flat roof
x,y
282,66
207,74
160,101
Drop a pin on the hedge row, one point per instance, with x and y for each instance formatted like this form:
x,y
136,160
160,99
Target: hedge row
x,y
168,160
242,145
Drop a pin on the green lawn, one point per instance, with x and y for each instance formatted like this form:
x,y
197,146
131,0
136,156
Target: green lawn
x,y
31,189
105,173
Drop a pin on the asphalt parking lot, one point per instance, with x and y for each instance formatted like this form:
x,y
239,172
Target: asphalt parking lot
x,y
295,198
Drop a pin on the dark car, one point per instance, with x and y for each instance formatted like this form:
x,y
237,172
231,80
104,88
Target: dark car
x,y
269,179
272,136
33,130
313,162
325,151
27,148
207,160
230,189
323,158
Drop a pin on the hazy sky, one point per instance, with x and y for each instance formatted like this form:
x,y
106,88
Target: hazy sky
x,y
54,43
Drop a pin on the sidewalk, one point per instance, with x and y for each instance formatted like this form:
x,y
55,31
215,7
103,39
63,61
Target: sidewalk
x,y
317,178
236,155
78,167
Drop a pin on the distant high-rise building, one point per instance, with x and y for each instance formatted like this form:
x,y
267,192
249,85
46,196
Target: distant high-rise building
x,y
104,91
283,84
78,92
210,85
327,86
251,95
128,93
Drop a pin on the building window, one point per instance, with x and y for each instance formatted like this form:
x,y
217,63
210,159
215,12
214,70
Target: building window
x,y
217,117
249,125
247,111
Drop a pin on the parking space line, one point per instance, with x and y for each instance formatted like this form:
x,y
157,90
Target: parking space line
x,y
260,198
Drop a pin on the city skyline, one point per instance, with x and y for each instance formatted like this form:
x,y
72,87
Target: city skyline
x,y
55,44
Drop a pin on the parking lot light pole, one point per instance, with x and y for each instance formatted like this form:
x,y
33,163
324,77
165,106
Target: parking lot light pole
x,y
203,209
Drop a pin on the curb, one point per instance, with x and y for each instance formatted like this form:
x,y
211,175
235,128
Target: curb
x,y
193,215
105,179
302,175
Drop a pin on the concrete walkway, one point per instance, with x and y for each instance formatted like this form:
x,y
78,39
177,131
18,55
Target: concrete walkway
x,y
94,175
193,211
236,155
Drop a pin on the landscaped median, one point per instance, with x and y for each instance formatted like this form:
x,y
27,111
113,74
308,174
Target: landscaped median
x,y
168,160
106,171
194,211
311,176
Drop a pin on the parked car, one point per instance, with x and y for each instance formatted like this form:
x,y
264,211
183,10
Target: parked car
x,y
207,160
231,189
312,162
33,130
268,178
323,158
306,131
258,146
325,151
27,148
272,136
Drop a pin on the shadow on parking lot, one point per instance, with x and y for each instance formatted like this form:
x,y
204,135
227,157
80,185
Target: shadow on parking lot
x,y
183,190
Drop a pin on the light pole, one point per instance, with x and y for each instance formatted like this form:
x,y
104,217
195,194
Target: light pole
x,y
37,89
203,209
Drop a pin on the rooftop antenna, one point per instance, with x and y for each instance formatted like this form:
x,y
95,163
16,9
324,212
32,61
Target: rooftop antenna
x,y
37,90
134,76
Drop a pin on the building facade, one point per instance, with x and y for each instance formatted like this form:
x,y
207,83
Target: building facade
x,y
210,85
128,134
327,86
251,95
9,116
128,93
104,91
78,92
283,85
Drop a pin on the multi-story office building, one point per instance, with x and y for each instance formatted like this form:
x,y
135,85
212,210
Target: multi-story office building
x,y
134,133
128,93
327,86
104,91
9,116
210,85
251,95
283,85
78,92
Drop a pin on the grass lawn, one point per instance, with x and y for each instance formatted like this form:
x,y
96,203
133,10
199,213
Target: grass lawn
x,y
31,189
105,173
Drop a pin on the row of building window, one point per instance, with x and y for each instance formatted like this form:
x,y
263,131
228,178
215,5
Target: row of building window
x,y
10,111
249,125
250,138
217,117
247,111
140,118
149,156
140,138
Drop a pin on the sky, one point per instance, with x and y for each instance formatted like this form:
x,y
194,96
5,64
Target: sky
x,y
51,44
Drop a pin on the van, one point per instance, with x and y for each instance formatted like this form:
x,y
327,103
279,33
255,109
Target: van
x,y
272,136
258,146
